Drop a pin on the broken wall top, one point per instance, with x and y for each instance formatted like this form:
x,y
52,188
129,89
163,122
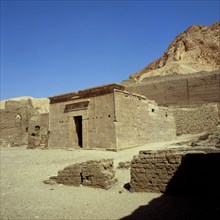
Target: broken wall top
x,y
12,104
177,151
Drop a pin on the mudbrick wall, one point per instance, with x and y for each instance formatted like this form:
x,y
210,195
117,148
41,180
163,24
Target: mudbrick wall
x,y
22,124
197,88
14,122
38,131
93,173
176,172
196,119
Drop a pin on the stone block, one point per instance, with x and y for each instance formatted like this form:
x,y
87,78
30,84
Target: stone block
x,y
124,165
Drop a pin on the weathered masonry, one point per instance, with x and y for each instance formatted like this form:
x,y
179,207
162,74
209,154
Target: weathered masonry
x,y
180,90
107,117
14,122
189,171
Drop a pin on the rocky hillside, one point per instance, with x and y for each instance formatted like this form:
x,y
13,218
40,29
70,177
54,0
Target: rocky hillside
x,y
196,49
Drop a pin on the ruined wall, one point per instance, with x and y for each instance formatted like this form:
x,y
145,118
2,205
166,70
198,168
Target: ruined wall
x,y
139,121
14,122
176,172
93,173
196,119
218,105
198,88
38,131
98,130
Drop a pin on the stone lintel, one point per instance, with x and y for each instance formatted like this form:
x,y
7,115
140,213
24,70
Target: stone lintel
x,y
87,93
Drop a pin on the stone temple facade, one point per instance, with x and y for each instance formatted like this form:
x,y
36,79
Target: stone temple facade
x,y
107,117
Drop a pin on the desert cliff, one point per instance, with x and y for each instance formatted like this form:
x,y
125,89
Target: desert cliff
x,y
196,49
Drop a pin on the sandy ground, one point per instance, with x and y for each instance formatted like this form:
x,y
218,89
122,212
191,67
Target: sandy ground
x,y
25,196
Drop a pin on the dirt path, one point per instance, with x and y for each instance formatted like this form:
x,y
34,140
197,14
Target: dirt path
x,y
25,196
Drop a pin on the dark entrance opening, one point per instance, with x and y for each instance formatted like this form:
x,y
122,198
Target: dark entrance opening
x,y
78,124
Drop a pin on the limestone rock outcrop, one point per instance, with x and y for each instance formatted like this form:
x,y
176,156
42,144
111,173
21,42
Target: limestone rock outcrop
x,y
196,49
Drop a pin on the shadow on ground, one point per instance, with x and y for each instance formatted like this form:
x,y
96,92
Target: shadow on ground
x,y
169,207
192,193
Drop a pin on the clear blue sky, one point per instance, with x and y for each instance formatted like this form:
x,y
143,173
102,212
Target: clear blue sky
x,y
54,47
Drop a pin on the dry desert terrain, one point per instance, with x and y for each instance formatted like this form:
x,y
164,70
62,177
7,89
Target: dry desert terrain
x,y
25,196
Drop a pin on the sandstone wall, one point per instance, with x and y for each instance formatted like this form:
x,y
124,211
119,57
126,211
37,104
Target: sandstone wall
x,y
98,130
58,125
112,121
139,121
198,88
93,173
101,128
196,119
176,172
